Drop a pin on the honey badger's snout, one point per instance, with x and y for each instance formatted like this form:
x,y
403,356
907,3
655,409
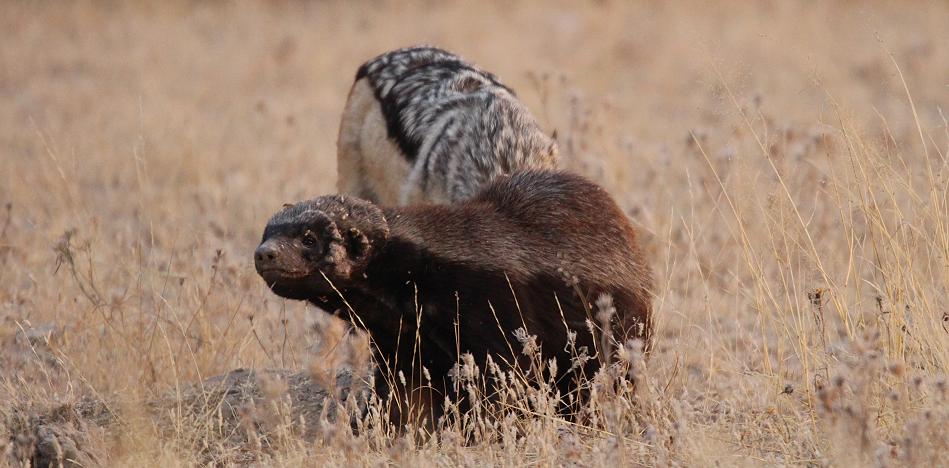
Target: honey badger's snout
x,y
279,259
265,257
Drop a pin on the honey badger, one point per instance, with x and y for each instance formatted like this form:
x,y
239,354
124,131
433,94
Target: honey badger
x,y
421,124
531,250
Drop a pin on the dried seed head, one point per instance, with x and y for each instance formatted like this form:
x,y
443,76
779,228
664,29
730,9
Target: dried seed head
x,y
816,297
272,387
581,358
897,369
605,310
940,385
528,342
464,371
591,327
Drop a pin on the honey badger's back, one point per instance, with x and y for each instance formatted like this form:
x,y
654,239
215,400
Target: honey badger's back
x,y
423,125
544,231
572,226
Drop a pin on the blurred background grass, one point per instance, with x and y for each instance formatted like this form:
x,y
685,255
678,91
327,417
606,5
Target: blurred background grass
x,y
786,161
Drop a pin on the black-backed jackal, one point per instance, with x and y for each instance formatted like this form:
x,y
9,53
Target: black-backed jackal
x,y
423,125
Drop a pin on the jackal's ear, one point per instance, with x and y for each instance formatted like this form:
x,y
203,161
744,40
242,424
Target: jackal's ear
x,y
553,149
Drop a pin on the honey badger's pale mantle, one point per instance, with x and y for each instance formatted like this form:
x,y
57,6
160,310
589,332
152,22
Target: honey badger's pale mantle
x,y
524,232
421,124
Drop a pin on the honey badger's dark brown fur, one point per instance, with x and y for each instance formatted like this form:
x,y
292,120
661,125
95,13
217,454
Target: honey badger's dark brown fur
x,y
524,244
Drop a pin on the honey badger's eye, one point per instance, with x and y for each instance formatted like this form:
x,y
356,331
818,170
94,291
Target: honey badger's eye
x,y
309,239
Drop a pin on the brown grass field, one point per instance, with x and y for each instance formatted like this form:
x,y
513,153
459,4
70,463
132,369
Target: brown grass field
x,y
786,162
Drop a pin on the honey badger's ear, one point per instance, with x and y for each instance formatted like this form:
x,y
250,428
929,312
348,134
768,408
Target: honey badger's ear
x,y
345,253
336,259
358,244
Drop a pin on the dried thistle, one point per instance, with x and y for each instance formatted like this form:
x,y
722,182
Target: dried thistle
x,y
528,342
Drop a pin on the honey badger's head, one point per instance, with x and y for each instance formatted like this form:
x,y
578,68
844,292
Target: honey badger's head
x,y
331,236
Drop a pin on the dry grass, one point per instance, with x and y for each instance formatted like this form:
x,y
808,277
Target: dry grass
x,y
787,162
